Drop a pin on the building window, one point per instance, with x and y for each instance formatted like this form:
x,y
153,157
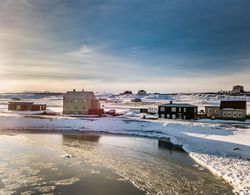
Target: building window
x,y
83,101
18,107
168,115
162,109
224,114
179,109
173,109
184,117
235,114
239,114
195,110
173,116
216,111
209,110
184,110
229,114
162,116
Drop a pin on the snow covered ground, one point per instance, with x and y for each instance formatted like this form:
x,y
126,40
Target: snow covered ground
x,y
54,100
221,146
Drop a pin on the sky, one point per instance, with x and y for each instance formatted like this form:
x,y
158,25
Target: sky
x,y
117,45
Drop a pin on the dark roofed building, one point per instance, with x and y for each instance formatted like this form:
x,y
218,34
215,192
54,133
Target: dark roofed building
x,y
235,109
178,111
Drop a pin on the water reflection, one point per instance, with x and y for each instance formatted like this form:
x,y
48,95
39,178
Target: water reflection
x,y
81,137
33,164
99,163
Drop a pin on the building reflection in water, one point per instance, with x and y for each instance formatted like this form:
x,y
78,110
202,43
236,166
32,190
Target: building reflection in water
x,y
68,139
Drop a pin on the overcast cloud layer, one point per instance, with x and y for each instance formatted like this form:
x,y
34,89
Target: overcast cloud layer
x,y
113,45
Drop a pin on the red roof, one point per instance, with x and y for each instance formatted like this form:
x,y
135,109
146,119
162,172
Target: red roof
x,y
233,104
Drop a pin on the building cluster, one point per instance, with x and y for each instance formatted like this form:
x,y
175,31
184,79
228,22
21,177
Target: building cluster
x,y
228,110
74,102
141,92
236,90
86,103
236,110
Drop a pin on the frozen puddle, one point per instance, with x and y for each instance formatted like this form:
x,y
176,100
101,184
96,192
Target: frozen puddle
x,y
98,164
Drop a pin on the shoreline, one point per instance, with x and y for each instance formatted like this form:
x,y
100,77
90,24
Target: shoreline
x,y
137,148
233,170
106,133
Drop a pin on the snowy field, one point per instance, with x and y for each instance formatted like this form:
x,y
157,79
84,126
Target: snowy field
x,y
123,102
221,146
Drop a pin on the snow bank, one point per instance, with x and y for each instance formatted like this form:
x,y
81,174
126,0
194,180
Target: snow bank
x,y
223,149
221,146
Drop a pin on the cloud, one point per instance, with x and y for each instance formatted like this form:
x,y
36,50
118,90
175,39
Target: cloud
x,y
164,45
82,51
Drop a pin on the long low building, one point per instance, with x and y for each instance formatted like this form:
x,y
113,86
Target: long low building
x,y
25,106
178,111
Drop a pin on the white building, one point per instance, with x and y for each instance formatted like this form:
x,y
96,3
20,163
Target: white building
x,y
233,110
80,102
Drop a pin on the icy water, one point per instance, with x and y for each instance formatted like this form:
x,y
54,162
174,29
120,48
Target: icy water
x,y
98,164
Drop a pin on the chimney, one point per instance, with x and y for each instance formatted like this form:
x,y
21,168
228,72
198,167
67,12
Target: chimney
x,y
74,90
171,102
